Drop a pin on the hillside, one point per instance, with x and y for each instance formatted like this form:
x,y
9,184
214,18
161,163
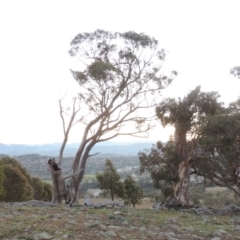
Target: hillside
x,y
70,150
36,164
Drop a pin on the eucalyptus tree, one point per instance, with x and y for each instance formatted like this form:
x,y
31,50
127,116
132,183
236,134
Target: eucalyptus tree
x,y
119,79
185,115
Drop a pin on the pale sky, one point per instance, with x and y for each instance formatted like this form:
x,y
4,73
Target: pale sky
x,y
202,39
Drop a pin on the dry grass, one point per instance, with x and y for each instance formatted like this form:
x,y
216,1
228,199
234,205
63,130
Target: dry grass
x,y
215,190
83,223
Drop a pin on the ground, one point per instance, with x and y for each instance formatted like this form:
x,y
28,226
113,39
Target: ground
x,y
118,223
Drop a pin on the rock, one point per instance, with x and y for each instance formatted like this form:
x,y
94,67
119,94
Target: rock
x,y
195,237
111,234
71,221
103,227
115,227
41,236
57,215
174,220
188,228
216,238
142,229
117,213
65,236
236,228
220,232
167,235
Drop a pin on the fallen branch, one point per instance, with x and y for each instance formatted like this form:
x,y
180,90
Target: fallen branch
x,y
34,203
89,203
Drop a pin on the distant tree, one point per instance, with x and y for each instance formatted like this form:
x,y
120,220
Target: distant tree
x,y
133,192
161,161
2,177
120,76
109,181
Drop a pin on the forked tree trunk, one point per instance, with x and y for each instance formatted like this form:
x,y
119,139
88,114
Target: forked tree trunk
x,y
79,165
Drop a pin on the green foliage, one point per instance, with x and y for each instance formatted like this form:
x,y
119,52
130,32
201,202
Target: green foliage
x,y
12,161
213,198
16,185
121,69
162,162
109,180
186,112
2,178
47,192
234,107
41,190
220,147
37,186
19,185
235,72
133,192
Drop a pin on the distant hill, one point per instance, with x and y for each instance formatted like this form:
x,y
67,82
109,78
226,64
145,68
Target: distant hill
x,y
70,150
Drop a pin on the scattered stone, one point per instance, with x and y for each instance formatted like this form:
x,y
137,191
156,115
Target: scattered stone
x,y
220,232
41,236
195,237
71,221
216,238
188,228
142,228
103,227
111,234
115,227
117,213
168,235
174,220
236,228
57,215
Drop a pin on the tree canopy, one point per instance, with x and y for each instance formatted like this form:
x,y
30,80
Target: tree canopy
x,y
119,79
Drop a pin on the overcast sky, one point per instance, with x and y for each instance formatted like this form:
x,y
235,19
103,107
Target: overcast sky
x,y
202,39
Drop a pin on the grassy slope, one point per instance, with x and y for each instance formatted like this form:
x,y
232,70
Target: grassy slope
x,y
81,223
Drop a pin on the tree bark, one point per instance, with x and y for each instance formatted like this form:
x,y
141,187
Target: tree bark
x,y
181,188
80,159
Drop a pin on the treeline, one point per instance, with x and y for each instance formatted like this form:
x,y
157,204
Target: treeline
x,y
17,185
